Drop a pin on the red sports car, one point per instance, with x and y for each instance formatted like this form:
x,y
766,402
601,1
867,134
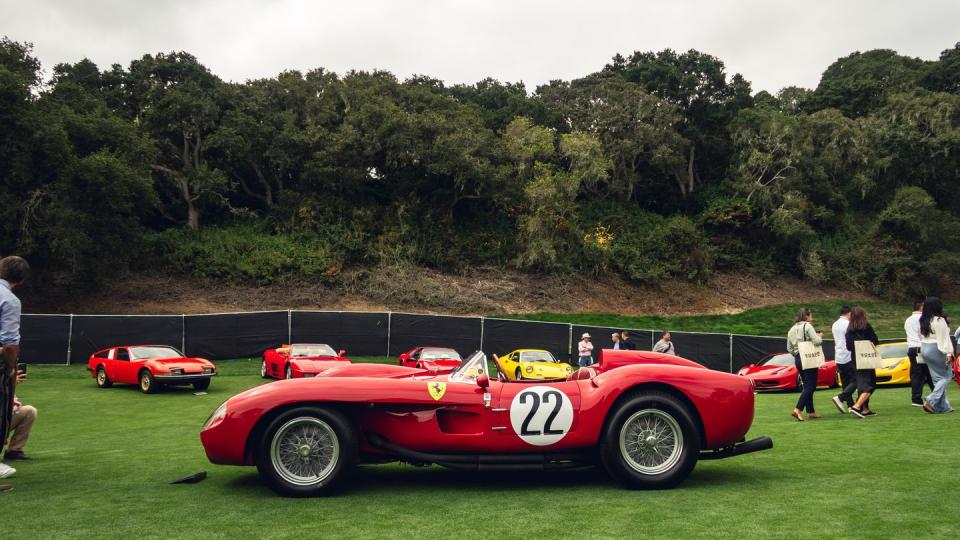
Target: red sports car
x,y
434,359
150,367
778,372
956,368
300,360
649,420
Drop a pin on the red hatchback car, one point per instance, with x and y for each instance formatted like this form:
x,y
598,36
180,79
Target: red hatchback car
x,y
778,372
431,358
150,367
300,360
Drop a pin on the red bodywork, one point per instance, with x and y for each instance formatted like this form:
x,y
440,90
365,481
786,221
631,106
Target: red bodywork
x,y
779,377
275,361
956,368
435,359
172,370
396,403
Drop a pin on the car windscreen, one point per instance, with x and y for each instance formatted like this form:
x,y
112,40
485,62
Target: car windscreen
x,y
537,356
438,354
471,368
893,351
313,349
785,359
146,353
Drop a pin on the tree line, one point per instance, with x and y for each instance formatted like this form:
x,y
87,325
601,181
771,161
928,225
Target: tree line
x,y
657,166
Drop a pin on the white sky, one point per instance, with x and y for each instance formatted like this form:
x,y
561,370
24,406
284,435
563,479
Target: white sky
x,y
773,43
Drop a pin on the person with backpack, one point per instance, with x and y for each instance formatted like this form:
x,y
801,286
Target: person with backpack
x,y
937,351
860,330
802,330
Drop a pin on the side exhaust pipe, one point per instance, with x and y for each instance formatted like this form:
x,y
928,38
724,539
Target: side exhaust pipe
x,y
753,445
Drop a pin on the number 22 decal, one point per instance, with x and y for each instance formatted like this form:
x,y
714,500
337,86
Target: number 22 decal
x,y
541,415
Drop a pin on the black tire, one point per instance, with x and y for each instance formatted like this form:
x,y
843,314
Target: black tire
x,y
102,380
201,385
288,372
282,476
148,384
519,374
682,437
263,369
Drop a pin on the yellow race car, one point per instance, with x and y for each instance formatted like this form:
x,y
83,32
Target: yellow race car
x,y
533,364
896,364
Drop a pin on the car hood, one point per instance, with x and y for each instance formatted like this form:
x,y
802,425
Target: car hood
x,y
185,363
762,370
317,365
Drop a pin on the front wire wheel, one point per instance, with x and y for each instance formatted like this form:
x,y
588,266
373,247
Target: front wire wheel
x,y
307,452
148,385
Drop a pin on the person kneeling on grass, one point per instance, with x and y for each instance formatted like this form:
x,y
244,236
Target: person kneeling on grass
x,y
936,350
860,330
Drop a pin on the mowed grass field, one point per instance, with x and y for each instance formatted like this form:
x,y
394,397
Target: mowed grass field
x,y
103,460
887,319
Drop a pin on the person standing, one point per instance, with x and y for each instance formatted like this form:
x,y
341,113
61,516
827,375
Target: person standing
x,y
845,365
585,350
936,350
919,372
616,340
860,330
665,346
13,273
626,342
802,330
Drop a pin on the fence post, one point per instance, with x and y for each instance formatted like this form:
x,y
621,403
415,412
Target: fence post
x,y
569,341
389,329
481,332
183,333
731,353
69,339
289,326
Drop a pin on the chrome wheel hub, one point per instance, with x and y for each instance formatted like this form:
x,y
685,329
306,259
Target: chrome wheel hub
x,y
304,451
651,441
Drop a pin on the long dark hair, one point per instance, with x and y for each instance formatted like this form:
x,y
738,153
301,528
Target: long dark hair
x,y
858,318
802,315
932,307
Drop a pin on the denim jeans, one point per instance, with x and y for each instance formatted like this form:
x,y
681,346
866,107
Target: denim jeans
x,y
585,361
809,377
940,373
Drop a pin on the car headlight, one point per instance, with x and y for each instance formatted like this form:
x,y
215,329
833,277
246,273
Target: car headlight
x,y
218,415
208,370
529,369
176,371
569,369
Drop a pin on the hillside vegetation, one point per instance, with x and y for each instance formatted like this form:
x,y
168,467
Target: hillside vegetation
x,y
658,167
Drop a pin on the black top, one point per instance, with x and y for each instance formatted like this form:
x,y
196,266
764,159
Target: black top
x,y
865,334
629,344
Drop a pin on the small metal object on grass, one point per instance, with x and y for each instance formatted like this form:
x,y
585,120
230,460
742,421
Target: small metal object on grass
x,y
192,479
199,393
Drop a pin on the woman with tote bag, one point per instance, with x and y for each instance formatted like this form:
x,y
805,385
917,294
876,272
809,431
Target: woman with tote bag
x,y
936,350
860,330
802,332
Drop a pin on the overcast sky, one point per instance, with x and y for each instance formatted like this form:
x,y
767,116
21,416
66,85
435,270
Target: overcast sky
x,y
772,43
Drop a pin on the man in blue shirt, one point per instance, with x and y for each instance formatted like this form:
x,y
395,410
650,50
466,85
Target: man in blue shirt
x,y
13,272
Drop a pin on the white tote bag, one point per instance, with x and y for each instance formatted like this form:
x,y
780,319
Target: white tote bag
x,y
868,357
811,356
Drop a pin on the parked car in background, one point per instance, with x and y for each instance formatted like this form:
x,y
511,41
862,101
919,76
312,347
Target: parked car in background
x,y
896,364
150,367
778,372
533,364
434,359
300,360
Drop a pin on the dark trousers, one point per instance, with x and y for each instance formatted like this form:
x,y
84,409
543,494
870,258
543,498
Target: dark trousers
x,y
848,381
809,377
919,374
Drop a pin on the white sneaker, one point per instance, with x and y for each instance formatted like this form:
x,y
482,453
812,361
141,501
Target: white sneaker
x,y
6,471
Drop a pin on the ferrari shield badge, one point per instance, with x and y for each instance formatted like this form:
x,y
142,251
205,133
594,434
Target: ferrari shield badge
x,y
437,389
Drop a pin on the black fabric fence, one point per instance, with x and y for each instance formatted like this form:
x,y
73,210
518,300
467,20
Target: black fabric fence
x,y
60,339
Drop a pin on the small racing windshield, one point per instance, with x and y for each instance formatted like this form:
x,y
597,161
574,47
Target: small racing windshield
x,y
471,368
311,349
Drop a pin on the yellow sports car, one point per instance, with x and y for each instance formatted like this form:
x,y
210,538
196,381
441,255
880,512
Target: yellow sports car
x,y
533,364
896,365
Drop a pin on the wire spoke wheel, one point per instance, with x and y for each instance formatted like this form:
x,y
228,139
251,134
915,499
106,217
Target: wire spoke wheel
x,y
651,441
305,451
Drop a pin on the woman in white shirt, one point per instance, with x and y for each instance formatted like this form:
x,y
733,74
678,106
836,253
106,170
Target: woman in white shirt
x,y
936,349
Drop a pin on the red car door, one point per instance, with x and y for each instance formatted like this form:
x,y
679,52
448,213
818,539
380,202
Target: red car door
x,y
538,414
125,372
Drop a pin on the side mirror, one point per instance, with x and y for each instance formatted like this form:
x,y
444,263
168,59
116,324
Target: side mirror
x,y
483,381
342,352
404,357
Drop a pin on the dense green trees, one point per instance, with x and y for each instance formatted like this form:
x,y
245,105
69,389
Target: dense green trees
x,y
660,165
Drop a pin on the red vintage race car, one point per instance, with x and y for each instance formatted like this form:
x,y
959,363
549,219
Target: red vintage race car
x,y
778,372
648,416
300,360
150,367
434,359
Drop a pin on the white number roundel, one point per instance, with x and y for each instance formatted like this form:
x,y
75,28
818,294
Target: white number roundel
x,y
541,415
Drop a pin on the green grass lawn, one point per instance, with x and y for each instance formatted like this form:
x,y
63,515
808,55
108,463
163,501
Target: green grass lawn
x,y
103,460
887,319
